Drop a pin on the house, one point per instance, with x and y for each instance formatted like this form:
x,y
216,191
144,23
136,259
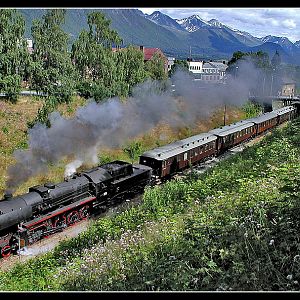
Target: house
x,y
209,72
149,53
213,72
195,66
288,89
171,61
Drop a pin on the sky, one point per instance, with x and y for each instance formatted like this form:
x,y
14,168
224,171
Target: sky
x,y
259,22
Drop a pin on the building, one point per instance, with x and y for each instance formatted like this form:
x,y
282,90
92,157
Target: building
x,y
209,72
171,61
288,89
195,66
149,53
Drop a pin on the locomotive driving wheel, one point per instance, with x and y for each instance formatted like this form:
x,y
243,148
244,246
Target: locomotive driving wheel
x,y
59,221
84,212
6,251
72,217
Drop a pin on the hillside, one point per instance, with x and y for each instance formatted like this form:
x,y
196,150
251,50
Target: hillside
x,y
175,37
233,228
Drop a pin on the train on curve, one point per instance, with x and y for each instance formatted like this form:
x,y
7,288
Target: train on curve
x,y
49,208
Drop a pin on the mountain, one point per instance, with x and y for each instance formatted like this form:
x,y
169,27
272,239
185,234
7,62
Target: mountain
x,y
271,49
163,20
192,23
284,42
176,37
297,44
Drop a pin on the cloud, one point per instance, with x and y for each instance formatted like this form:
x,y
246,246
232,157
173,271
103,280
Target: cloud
x,y
289,23
259,22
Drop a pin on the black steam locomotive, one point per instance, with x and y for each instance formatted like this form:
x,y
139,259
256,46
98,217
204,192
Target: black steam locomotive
x,y
49,208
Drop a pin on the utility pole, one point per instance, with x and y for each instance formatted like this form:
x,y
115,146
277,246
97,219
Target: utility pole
x,y
224,117
272,82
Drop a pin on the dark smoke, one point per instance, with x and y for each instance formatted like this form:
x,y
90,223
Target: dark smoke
x,y
113,122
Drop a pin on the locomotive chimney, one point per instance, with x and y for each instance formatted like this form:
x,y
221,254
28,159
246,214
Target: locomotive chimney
x,y
7,196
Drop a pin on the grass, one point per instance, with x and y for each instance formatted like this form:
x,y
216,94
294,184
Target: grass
x,y
234,227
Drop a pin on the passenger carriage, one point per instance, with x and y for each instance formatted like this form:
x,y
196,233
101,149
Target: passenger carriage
x,y
233,134
169,159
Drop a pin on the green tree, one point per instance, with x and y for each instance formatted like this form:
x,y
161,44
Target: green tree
x,y
14,57
52,69
94,60
155,67
130,69
235,57
134,149
178,64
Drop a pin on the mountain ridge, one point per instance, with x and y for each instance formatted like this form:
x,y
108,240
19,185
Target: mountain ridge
x,y
176,37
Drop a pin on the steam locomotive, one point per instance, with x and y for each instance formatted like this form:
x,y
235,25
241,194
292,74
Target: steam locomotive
x,y
50,208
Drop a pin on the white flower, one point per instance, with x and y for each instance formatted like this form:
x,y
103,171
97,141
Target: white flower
x,y
271,242
297,257
289,277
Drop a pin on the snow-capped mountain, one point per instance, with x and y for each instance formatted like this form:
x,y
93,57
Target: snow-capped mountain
x,y
192,23
163,20
206,39
215,23
284,42
297,44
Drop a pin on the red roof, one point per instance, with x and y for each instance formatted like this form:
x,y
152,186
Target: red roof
x,y
149,52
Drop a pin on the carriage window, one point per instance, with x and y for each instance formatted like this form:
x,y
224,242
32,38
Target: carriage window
x,y
185,156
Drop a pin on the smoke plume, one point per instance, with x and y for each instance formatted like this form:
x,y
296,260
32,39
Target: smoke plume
x,y
112,122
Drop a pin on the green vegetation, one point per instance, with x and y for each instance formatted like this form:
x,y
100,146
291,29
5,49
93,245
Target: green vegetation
x,y
251,109
234,227
52,69
13,53
178,64
90,69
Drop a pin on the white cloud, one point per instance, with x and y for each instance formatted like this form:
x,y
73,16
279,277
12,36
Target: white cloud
x,y
289,23
259,22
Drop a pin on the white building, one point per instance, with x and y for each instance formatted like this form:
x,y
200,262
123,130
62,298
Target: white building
x,y
211,72
171,61
195,66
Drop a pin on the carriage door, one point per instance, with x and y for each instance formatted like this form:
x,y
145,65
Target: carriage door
x,y
173,166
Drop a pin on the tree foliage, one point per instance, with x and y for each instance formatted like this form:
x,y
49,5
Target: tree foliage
x,y
155,67
52,69
178,64
14,57
103,72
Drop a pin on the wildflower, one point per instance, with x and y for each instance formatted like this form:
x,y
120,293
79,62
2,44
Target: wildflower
x,y
289,277
271,242
297,257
